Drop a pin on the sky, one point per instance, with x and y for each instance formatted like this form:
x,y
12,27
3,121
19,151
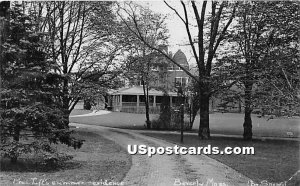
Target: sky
x,y
178,35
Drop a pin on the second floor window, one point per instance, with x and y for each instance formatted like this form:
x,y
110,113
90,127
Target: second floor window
x,y
181,81
155,68
173,68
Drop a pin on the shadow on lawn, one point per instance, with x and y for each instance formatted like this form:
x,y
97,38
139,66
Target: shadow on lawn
x,y
33,165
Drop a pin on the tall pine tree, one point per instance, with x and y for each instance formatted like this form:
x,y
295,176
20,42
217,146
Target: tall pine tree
x,y
31,111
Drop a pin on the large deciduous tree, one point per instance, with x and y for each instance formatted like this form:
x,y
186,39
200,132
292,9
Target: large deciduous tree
x,y
211,31
264,60
139,69
142,58
83,44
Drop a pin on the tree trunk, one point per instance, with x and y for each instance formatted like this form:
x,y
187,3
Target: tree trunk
x,y
66,121
194,112
247,119
204,132
192,119
148,122
16,137
195,106
66,102
87,104
146,94
240,106
4,25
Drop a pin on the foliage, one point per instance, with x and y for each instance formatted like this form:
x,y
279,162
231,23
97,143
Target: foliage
x,y
31,115
157,124
164,120
142,59
264,59
204,49
169,118
280,85
83,45
165,111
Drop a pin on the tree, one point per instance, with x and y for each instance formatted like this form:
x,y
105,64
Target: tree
x,y
31,117
222,14
139,70
4,7
281,84
83,45
142,58
195,102
265,35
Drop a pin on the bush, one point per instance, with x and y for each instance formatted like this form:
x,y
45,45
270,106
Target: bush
x,y
174,124
55,159
156,124
165,112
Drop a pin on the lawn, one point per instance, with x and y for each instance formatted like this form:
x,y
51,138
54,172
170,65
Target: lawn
x,y
80,112
232,124
115,119
97,160
227,123
274,160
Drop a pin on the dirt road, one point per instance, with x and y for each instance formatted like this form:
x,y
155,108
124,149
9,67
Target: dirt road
x,y
168,170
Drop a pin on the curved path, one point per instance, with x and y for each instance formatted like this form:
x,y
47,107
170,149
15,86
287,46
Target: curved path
x,y
168,170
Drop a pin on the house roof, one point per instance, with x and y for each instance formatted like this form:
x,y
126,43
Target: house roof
x,y
138,90
180,57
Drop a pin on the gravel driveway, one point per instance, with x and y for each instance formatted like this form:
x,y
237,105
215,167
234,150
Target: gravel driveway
x,y
167,170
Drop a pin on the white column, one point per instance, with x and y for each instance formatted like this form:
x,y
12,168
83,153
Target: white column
x,y
154,101
137,103
114,104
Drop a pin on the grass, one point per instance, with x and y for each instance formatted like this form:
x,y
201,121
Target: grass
x,y
97,160
227,123
115,119
232,124
274,160
80,112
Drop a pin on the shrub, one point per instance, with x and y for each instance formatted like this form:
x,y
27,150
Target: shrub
x,y
156,124
159,124
165,112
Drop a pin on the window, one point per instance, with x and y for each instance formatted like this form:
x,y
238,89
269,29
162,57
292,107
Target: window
x,y
177,81
170,67
143,99
181,81
159,99
173,68
178,100
154,68
129,98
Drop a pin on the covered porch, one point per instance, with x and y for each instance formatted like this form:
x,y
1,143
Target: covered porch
x,y
133,100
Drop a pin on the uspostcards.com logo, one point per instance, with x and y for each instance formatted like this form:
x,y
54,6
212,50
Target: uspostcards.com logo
x,y
207,150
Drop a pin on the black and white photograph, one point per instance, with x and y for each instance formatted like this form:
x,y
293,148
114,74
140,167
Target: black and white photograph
x,y
150,93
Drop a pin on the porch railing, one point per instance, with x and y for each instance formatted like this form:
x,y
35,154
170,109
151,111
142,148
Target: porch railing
x,y
131,107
